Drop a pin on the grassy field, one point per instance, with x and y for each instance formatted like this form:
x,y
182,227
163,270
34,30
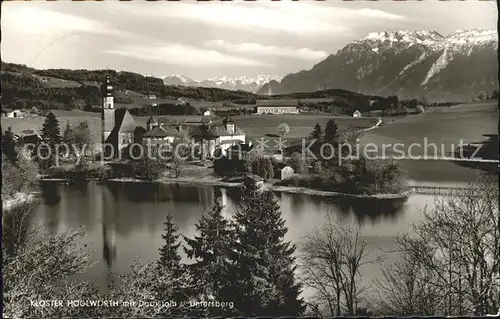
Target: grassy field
x,y
73,117
256,126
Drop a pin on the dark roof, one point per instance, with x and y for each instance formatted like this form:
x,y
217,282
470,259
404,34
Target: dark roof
x,y
280,166
255,178
175,119
231,141
215,131
289,102
124,121
152,119
241,147
161,131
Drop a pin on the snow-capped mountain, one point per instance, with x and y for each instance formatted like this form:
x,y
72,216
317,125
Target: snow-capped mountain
x,y
178,79
251,84
407,63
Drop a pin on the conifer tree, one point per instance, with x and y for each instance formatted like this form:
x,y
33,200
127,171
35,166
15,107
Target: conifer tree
x,y
51,136
51,133
9,146
169,252
214,252
169,265
331,131
69,134
266,262
316,133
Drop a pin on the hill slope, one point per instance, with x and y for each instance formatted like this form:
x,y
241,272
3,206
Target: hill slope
x,y
405,63
24,87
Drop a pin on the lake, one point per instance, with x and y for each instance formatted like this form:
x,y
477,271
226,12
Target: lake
x,y
124,221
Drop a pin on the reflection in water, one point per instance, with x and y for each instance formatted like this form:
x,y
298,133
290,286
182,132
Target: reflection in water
x,y
124,221
50,193
373,210
109,219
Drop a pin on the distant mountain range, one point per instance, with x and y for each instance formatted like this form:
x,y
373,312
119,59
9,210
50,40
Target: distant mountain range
x,y
406,63
250,84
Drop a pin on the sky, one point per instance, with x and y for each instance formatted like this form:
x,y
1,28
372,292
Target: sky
x,y
204,40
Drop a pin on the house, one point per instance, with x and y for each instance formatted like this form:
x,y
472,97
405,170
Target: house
x,y
276,107
286,172
276,154
207,113
239,151
213,135
356,114
216,135
253,181
161,134
14,113
27,137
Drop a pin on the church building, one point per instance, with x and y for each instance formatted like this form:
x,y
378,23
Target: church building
x,y
119,128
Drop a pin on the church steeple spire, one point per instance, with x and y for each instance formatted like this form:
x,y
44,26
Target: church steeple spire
x,y
107,94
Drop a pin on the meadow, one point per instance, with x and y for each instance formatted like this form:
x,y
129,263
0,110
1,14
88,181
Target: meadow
x,y
256,126
73,117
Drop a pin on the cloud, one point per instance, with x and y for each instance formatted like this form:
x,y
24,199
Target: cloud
x,y
302,18
177,54
379,14
30,18
259,49
247,16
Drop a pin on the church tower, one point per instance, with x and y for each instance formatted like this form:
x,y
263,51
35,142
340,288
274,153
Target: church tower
x,y
108,111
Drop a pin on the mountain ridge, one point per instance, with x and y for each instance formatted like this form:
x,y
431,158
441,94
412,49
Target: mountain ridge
x,y
243,83
408,63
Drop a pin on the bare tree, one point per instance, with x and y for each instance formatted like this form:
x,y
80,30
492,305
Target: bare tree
x,y
406,287
462,248
331,258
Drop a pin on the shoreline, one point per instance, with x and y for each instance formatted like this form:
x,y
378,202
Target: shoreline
x,y
181,181
314,192
267,187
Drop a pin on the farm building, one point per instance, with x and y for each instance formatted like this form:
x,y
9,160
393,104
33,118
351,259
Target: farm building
x,y
420,109
356,114
276,107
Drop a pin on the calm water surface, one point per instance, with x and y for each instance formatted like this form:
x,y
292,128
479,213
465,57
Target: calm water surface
x,y
124,222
